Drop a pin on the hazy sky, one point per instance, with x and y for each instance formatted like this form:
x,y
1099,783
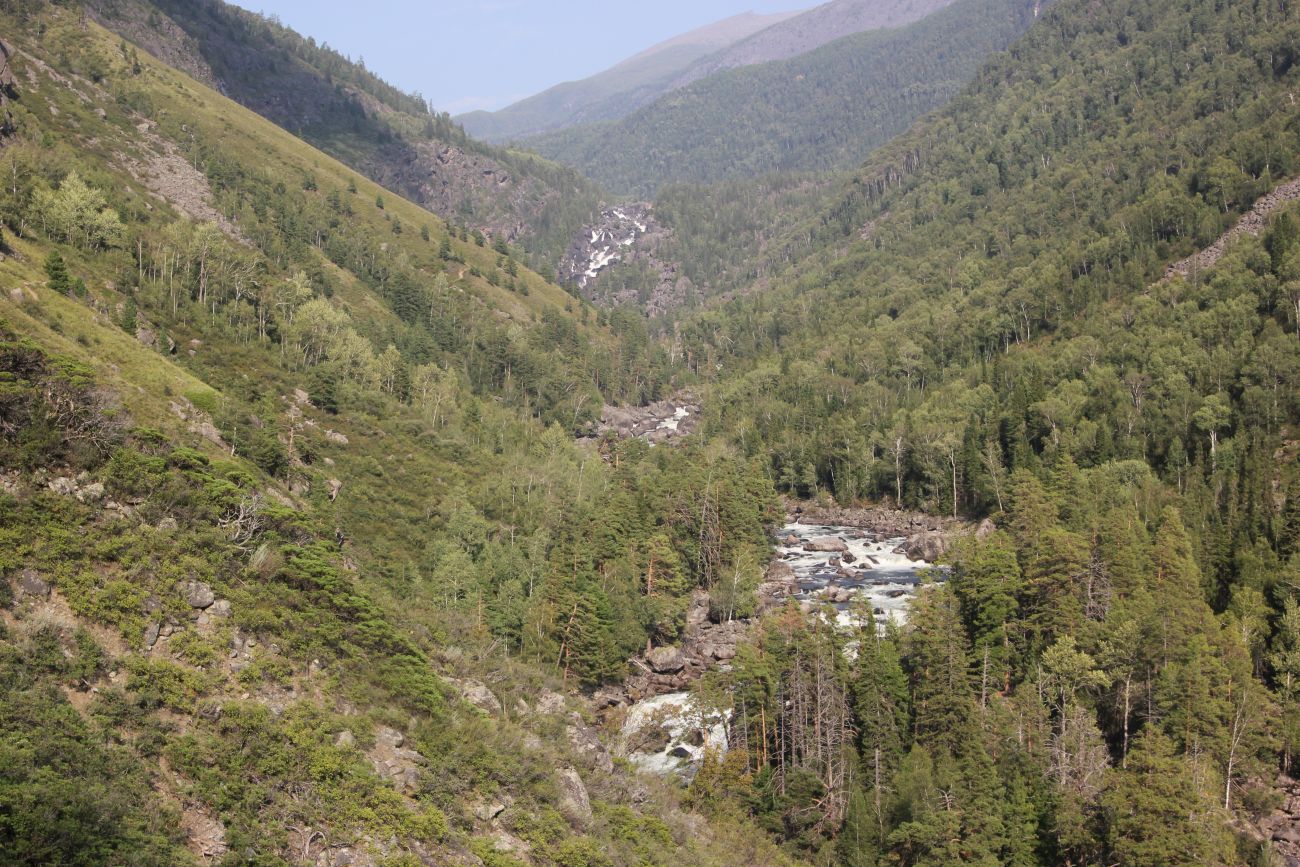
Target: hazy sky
x,y
468,54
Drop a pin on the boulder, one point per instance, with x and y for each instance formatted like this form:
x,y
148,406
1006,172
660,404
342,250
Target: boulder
x,y
64,486
790,540
345,740
151,634
549,702
31,584
574,804
985,529
145,336
477,694
198,594
827,544
336,438
779,572
486,811
929,546
92,493
666,660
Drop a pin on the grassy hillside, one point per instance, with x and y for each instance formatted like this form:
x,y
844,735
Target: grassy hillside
x,y
336,104
291,500
825,109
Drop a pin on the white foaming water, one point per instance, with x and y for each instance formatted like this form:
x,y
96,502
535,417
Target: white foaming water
x,y
878,575
690,732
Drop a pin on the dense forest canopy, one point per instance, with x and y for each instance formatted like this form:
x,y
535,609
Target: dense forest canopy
x,y
313,545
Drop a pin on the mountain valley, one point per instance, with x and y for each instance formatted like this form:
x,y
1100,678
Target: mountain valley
x,y
864,435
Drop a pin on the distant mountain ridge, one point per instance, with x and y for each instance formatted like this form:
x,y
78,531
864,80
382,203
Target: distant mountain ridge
x,y
825,109
742,40
615,92
811,30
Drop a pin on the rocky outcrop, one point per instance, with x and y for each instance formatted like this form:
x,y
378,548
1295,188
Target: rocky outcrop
x,y
586,742
476,693
1252,222
574,803
395,761
1281,828
656,422
704,645
627,234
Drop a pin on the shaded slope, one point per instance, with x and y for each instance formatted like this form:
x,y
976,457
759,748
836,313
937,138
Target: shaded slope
x,y
619,90
392,137
824,110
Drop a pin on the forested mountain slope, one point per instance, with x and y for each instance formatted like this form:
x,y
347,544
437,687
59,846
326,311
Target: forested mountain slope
x,y
619,90
336,104
824,109
984,327
292,510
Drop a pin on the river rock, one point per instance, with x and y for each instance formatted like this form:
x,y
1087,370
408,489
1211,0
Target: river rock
x,y
779,572
827,544
574,803
928,546
666,660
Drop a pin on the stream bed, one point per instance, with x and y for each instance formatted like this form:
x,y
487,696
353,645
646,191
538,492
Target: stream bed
x,y
857,572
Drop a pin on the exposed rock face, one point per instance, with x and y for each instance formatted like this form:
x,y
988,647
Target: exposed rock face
x,y
703,646
549,702
586,741
657,422
574,803
30,584
395,762
1282,826
628,234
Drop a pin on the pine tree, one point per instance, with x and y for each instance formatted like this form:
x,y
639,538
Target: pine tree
x,y
937,661
1157,815
57,272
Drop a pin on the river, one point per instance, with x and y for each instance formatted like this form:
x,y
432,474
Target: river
x,y
859,575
